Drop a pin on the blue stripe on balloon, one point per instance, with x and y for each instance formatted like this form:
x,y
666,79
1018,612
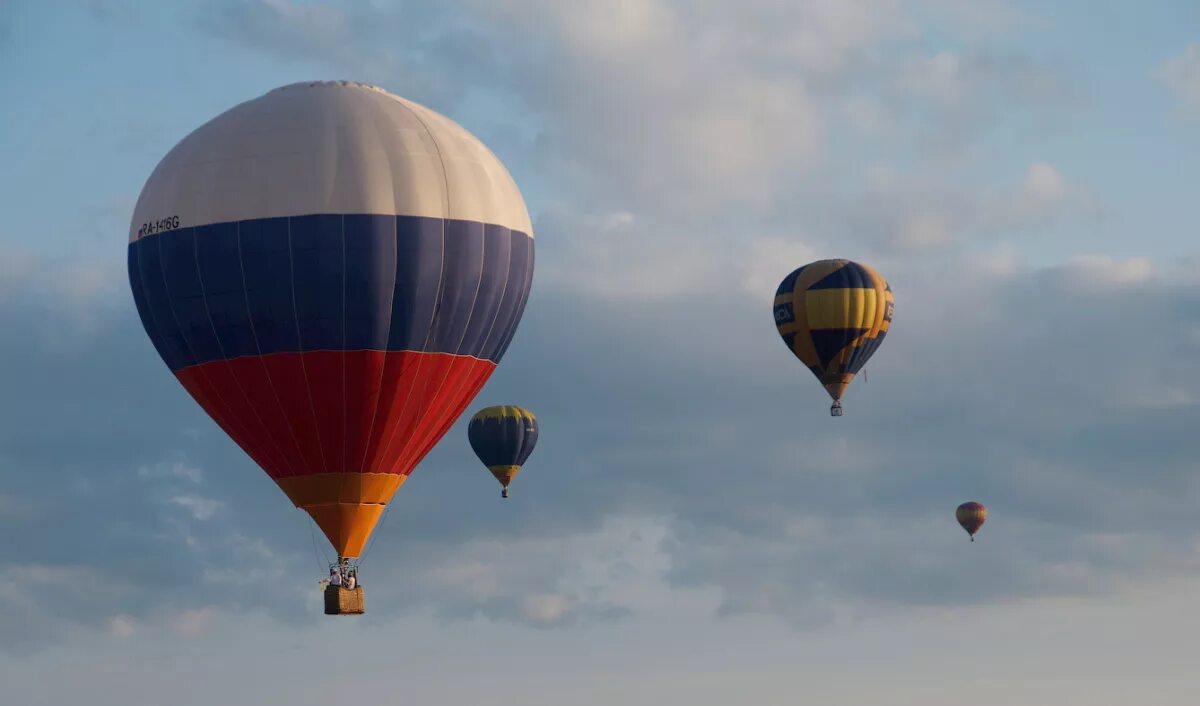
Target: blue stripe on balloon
x,y
788,285
331,282
851,275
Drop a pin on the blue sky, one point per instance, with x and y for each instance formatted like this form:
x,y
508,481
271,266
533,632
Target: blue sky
x,y
693,525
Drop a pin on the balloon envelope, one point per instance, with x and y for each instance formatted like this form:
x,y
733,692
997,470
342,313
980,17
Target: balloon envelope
x,y
971,516
332,272
503,437
833,315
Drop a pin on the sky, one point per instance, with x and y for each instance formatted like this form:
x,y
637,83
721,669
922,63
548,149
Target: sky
x,y
693,525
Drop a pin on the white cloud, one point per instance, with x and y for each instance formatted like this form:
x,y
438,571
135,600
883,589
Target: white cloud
x,y
929,211
868,116
202,508
545,607
938,77
1093,272
122,626
616,569
925,231
1181,75
982,18
1001,262
194,622
84,293
769,259
173,469
621,257
1044,182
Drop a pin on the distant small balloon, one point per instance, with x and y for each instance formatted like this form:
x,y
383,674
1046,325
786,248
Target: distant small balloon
x,y
503,437
971,516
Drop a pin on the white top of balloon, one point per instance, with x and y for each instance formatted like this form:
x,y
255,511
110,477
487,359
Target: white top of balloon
x,y
328,147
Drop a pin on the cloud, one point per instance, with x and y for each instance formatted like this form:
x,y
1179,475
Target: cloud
x,y
1098,273
44,601
1044,182
678,107
419,49
195,622
123,626
173,469
1181,75
917,210
81,295
578,574
202,508
545,607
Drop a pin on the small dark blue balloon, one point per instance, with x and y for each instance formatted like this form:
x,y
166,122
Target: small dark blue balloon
x,y
503,437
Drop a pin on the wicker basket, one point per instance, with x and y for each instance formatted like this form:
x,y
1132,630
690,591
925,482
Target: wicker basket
x,y
340,600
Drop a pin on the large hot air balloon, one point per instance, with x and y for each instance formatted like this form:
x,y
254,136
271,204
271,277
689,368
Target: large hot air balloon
x,y
503,437
971,516
332,272
833,314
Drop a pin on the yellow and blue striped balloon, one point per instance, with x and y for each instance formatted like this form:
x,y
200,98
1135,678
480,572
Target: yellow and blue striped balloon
x,y
833,314
971,516
503,437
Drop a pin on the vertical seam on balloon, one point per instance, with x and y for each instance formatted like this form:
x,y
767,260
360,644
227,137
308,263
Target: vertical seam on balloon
x,y
500,302
857,310
342,471
847,310
433,321
258,347
472,391
362,465
221,346
857,284
878,284
300,345
442,408
520,310
142,276
136,254
871,337
437,304
175,315
870,287
425,345
803,341
517,460
853,315
441,159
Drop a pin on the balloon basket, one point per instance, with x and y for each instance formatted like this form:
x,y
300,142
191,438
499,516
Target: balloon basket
x,y
340,600
836,410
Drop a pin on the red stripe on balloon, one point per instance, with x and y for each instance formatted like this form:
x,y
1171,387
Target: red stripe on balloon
x,y
337,411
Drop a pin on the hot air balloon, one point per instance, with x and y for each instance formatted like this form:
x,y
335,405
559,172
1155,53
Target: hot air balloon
x,y
833,314
332,272
971,516
503,437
